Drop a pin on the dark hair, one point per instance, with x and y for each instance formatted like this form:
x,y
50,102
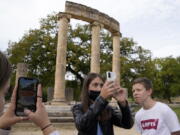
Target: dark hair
x,y
84,93
144,81
5,69
86,102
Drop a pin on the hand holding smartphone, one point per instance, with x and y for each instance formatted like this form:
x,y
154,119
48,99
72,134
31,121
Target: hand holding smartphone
x,y
26,95
111,77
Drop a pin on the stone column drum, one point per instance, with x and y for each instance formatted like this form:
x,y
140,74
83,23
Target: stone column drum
x,y
21,71
116,55
59,88
95,48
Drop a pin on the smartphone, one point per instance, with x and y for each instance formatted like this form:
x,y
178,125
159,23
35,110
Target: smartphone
x,y
26,95
110,76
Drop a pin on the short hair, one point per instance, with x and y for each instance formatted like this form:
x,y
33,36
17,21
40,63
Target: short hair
x,y
147,83
5,69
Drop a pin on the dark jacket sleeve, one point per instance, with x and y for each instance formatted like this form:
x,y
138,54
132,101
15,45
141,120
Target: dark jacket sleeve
x,y
122,117
85,121
4,132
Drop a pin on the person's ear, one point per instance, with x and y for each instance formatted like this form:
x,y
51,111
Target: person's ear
x,y
149,92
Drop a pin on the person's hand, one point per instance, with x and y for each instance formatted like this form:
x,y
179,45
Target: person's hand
x,y
40,117
9,118
108,90
120,95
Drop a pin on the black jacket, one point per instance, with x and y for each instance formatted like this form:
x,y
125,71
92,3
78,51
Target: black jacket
x,y
86,123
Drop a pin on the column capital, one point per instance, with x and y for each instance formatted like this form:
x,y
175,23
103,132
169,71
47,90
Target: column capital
x,y
64,15
95,23
117,34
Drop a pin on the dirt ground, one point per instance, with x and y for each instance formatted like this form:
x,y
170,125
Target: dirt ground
x,y
63,128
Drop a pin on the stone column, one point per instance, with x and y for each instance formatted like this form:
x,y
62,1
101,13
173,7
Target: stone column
x,y
59,88
50,93
21,71
95,48
116,54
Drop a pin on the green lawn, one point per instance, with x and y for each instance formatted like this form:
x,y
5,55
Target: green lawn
x,y
177,110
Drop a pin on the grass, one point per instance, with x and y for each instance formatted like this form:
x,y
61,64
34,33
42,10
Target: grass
x,y
177,111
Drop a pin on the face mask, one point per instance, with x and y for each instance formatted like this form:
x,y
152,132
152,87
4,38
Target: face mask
x,y
93,94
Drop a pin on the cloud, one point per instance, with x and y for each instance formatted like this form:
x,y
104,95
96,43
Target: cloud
x,y
168,50
150,23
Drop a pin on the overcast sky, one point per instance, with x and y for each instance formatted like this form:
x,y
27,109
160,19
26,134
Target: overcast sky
x,y
153,24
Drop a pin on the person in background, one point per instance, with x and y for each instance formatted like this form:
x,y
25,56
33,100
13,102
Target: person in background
x,y
154,118
93,116
8,118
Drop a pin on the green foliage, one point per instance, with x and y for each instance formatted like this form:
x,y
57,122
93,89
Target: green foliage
x,y
44,94
177,111
78,51
168,74
37,48
135,62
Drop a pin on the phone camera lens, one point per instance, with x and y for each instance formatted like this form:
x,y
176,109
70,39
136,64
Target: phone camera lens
x,y
109,74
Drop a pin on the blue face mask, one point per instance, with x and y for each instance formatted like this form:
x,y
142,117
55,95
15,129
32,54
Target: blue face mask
x,y
93,94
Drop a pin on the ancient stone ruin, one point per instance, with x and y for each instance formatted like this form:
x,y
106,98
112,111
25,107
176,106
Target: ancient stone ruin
x,y
59,110
97,20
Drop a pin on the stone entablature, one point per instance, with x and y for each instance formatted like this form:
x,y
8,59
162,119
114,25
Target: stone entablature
x,y
91,15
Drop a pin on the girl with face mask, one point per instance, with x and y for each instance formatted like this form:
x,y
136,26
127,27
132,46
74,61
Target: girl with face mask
x,y
94,116
8,118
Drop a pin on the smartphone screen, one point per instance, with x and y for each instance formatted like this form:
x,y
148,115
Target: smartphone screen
x,y
26,95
